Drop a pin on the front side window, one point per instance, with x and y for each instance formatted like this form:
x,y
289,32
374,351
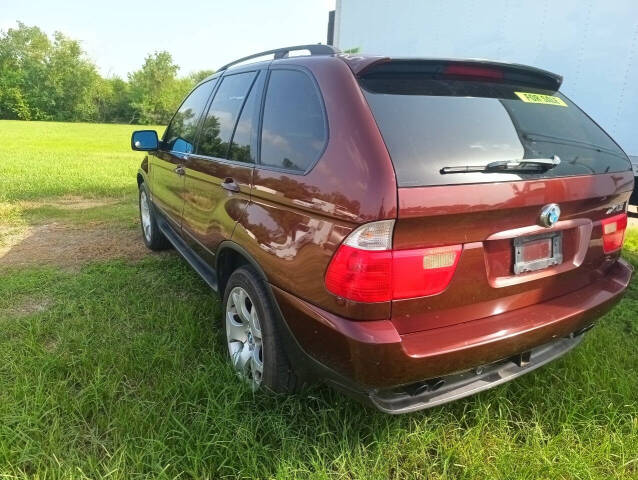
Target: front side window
x,y
180,134
294,130
218,127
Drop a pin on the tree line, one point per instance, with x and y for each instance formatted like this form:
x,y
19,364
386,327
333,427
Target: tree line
x,y
51,78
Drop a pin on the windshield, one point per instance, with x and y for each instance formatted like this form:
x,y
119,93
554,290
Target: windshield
x,y
429,124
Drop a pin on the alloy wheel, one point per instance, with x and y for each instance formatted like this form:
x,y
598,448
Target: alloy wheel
x,y
145,213
243,332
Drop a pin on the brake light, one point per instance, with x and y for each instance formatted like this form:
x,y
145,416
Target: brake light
x,y
474,71
365,268
361,275
614,232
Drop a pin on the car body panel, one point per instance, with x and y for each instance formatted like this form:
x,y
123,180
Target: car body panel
x,y
486,218
373,355
167,187
211,211
295,222
217,190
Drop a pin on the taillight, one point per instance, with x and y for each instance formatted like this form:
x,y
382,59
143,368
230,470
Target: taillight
x,y
614,232
366,269
422,272
361,270
361,275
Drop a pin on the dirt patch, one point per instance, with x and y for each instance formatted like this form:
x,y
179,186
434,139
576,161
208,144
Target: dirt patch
x,y
50,344
71,202
11,235
70,245
31,306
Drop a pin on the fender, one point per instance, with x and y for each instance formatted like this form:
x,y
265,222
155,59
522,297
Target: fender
x,y
229,244
142,174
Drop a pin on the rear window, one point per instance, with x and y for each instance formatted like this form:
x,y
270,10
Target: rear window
x,y
429,124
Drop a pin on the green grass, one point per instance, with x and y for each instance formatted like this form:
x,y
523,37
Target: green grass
x,y
112,378
117,369
46,159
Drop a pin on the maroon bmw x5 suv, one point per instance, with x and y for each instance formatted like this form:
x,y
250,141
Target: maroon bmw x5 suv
x,y
410,230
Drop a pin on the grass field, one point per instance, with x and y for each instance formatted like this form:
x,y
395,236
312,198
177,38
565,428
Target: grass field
x,y
112,362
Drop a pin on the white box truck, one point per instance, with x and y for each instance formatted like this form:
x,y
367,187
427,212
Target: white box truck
x,y
593,45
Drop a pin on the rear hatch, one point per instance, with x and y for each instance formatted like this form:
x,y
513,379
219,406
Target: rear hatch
x,y
482,151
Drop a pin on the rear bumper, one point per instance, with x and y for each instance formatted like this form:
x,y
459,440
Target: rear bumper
x,y
428,394
371,358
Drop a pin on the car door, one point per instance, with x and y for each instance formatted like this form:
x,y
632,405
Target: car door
x,y
218,176
167,165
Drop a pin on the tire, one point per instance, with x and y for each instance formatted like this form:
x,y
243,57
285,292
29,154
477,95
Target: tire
x,y
254,343
153,237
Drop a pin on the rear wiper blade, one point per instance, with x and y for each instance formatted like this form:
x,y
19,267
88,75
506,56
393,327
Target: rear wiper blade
x,y
523,165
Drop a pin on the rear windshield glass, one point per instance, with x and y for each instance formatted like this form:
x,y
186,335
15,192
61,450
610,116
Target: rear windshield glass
x,y
429,124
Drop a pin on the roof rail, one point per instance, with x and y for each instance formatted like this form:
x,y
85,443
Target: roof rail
x,y
314,49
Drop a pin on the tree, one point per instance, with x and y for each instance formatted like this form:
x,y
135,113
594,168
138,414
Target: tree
x,y
23,54
196,77
113,101
155,90
72,81
44,78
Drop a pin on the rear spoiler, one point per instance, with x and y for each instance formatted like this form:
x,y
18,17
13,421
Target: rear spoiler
x,y
459,69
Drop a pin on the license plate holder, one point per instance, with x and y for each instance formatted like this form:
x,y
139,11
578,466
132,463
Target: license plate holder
x,y
536,252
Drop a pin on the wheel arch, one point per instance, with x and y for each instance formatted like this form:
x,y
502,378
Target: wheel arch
x,y
228,258
141,177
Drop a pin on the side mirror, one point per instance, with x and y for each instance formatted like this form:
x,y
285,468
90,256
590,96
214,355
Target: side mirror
x,y
144,140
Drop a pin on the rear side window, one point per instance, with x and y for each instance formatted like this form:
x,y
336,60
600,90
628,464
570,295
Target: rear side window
x,y
219,124
429,124
180,134
294,129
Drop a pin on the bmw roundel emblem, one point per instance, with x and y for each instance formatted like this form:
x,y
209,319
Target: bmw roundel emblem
x,y
549,215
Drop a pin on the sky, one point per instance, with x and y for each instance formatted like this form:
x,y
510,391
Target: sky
x,y
200,35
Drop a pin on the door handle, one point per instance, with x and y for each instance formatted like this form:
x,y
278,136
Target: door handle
x,y
180,170
230,185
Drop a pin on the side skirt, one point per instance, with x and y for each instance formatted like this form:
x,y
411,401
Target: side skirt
x,y
202,268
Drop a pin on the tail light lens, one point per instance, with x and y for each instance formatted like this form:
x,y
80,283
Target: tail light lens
x,y
614,232
365,268
361,275
422,272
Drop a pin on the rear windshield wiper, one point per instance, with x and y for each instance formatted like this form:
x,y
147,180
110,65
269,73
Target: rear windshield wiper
x,y
524,165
